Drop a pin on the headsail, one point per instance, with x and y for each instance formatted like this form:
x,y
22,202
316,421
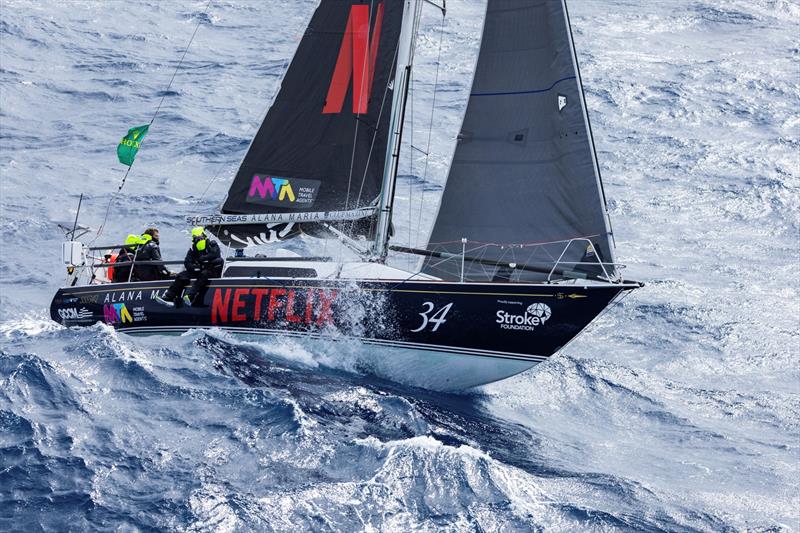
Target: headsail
x,y
524,179
319,154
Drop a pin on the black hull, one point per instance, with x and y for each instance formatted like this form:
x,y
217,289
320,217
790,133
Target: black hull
x,y
528,322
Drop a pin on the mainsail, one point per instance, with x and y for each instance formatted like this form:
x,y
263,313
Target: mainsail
x,y
524,179
319,153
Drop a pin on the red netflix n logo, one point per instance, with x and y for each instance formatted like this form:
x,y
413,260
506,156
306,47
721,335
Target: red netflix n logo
x,y
357,56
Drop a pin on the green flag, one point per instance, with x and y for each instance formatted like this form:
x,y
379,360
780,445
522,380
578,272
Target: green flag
x,y
129,145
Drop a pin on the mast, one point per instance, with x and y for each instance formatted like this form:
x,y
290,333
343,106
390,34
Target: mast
x,y
405,59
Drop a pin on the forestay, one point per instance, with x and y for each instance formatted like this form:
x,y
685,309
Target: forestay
x,y
524,177
319,154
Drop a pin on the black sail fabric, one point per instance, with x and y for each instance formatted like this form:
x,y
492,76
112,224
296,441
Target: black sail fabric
x,y
321,147
523,181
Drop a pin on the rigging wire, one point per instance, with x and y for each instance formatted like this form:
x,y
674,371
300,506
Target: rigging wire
x,y
356,124
357,121
211,182
395,156
417,24
262,116
372,143
389,83
158,108
430,129
375,130
410,154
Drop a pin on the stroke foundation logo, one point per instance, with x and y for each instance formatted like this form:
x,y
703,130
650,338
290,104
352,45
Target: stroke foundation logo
x,y
535,315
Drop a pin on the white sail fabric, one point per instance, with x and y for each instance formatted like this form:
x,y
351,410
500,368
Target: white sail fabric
x,y
524,171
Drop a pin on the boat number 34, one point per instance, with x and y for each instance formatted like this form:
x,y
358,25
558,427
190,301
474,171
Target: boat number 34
x,y
436,319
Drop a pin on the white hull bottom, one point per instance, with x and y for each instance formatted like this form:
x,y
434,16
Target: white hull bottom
x,y
442,371
424,367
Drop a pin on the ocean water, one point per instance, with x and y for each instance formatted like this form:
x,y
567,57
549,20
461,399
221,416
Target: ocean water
x,y
678,410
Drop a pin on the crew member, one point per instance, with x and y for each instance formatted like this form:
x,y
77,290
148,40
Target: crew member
x,y
203,261
150,251
126,255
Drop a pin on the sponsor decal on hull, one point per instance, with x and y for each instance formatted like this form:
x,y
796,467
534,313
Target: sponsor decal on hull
x,y
71,314
122,296
308,307
535,315
119,313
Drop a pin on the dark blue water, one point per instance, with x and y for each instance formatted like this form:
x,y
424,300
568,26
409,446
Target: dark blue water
x,y
678,410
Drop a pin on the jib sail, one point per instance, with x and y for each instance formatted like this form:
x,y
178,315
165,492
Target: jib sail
x,y
524,179
319,154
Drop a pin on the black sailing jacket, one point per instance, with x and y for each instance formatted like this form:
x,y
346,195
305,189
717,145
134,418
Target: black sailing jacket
x,y
208,259
150,252
123,272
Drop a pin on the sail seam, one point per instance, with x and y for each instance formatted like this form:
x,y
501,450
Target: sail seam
x,y
531,91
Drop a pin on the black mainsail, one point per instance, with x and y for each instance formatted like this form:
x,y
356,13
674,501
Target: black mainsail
x,y
319,153
524,179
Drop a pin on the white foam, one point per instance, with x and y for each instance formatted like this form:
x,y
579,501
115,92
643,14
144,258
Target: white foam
x,y
29,325
423,442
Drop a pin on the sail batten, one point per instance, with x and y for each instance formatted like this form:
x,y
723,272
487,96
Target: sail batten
x,y
524,169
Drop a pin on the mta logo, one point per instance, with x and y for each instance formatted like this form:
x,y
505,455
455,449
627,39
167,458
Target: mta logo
x,y
116,313
271,188
356,60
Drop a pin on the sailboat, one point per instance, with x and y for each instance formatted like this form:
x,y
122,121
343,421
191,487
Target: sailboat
x,y
521,256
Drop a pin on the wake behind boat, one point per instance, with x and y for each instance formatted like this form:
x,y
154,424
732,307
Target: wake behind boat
x,y
520,259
